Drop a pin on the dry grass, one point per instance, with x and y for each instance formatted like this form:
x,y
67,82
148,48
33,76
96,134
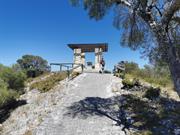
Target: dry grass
x,y
28,132
48,83
51,81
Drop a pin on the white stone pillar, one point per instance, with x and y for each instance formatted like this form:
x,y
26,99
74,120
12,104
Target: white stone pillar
x,y
77,59
98,57
77,56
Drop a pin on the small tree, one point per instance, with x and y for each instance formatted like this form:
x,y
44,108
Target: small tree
x,y
33,65
149,25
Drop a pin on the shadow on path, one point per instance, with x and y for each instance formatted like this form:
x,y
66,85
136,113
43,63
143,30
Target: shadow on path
x,y
6,110
158,117
102,107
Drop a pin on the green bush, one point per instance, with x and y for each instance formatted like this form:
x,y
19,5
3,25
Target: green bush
x,y
14,80
11,84
6,95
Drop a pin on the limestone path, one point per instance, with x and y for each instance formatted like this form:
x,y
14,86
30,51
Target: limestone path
x,y
78,113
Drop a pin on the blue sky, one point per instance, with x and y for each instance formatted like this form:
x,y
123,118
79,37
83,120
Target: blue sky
x,y
45,27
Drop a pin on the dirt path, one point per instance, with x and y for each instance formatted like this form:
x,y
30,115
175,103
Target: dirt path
x,y
83,106
78,114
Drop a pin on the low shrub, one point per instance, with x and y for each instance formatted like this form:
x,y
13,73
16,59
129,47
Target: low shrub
x,y
128,84
152,93
49,82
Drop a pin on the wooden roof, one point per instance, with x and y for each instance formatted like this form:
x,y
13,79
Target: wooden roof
x,y
89,47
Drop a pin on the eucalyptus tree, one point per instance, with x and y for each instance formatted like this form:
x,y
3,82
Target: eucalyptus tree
x,y
152,26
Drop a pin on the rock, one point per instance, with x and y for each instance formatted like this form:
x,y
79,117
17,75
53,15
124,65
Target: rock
x,y
177,131
1,127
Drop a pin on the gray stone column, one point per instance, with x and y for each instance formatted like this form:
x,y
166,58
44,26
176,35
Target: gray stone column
x,y
98,57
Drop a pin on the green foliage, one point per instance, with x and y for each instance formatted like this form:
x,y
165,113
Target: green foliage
x,y
130,83
5,94
33,65
14,80
157,74
131,67
152,93
96,9
16,67
49,83
11,84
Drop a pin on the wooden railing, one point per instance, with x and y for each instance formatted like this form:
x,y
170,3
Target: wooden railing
x,y
70,67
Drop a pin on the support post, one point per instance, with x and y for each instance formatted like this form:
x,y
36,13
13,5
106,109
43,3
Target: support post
x,y
98,57
77,59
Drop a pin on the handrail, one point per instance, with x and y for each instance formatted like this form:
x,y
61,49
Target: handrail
x,y
70,68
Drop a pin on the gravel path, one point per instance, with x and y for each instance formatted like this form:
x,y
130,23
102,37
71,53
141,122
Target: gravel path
x,y
77,112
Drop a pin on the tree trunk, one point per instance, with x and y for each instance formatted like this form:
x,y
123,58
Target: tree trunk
x,y
173,58
174,66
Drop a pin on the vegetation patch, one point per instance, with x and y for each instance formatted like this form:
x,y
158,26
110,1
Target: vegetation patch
x,y
157,75
49,82
130,83
152,93
11,84
75,74
152,116
29,132
32,65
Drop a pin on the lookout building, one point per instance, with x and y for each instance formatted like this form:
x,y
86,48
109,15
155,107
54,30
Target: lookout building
x,y
80,50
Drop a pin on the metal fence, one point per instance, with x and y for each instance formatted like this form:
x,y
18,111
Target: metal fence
x,y
69,68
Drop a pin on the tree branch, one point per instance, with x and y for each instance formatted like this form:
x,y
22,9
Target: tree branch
x,y
158,10
123,2
169,12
